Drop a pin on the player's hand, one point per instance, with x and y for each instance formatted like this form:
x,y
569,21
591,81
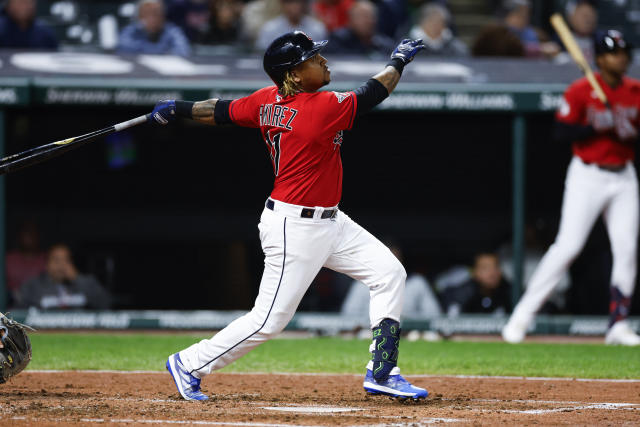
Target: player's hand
x,y
602,121
623,127
164,112
407,49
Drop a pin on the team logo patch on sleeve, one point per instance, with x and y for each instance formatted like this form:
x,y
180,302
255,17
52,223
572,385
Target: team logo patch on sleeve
x,y
341,96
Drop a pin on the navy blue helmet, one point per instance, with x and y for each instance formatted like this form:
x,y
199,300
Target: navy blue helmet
x,y
287,51
610,41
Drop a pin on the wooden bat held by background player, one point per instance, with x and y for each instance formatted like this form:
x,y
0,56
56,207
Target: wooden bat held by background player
x,y
576,54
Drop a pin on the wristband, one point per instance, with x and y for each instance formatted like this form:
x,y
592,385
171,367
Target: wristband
x,y
184,109
397,63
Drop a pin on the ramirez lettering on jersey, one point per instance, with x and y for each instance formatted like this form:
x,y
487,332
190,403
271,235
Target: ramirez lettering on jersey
x,y
277,116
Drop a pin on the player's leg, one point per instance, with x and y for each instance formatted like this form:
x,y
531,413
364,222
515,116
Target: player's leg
x,y
295,250
584,199
360,255
621,219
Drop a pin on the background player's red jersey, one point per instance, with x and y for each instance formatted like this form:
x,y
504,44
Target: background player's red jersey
x,y
580,104
303,134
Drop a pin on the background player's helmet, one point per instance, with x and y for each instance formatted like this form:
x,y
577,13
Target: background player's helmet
x,y
287,51
610,41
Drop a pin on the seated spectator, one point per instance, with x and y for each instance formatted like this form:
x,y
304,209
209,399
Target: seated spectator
x,y
20,29
419,299
334,14
433,29
253,17
151,33
294,16
224,24
497,40
582,18
192,16
62,287
25,260
360,37
517,17
485,292
397,20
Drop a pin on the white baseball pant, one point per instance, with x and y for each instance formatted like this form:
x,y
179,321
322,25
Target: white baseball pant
x,y
589,191
295,250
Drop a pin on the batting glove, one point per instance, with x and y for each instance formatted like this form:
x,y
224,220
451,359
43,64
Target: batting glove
x,y
407,49
164,112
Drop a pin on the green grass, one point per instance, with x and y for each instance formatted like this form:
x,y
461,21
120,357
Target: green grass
x,y
336,355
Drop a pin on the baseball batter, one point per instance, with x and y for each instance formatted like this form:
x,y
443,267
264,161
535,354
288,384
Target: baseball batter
x,y
301,227
601,179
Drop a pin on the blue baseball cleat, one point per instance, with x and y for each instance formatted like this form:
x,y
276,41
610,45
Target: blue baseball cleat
x,y
188,385
395,386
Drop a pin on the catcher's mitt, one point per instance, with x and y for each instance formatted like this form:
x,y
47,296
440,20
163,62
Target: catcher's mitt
x,y
15,348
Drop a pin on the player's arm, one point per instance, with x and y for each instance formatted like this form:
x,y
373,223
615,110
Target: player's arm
x,y
211,111
573,122
380,86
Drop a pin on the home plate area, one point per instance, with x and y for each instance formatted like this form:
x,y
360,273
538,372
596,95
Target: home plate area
x,y
119,398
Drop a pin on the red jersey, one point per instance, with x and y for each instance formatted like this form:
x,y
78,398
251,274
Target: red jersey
x,y
580,105
303,134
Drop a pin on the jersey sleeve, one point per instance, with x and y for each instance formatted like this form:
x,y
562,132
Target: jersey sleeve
x,y
335,111
246,111
572,106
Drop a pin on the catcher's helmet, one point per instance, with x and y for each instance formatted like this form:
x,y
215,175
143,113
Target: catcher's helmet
x,y
287,51
610,41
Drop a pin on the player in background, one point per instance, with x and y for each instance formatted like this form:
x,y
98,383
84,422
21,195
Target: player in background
x,y
301,227
601,179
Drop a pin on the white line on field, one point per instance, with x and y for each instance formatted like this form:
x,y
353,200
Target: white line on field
x,y
313,374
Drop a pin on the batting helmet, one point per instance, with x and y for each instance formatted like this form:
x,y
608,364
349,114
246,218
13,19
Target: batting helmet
x,y
287,51
610,41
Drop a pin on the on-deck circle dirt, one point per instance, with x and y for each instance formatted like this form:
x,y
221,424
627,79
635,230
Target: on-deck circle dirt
x,y
87,398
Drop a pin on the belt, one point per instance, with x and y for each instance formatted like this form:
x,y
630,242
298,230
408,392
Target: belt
x,y
307,212
608,168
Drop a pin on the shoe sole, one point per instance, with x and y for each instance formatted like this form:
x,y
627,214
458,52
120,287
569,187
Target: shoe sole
x,y
171,367
378,389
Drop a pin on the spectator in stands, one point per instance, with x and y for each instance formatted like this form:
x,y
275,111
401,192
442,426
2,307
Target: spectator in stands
x,y
419,299
25,260
334,14
294,16
20,29
582,18
433,29
152,34
224,25
62,287
361,35
486,291
192,16
254,15
497,40
517,18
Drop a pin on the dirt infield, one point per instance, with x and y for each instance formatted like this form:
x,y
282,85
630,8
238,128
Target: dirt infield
x,y
117,398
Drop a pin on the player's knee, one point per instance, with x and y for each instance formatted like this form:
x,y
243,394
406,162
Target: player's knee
x,y
398,272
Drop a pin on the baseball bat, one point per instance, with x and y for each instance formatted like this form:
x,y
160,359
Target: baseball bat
x,y
558,23
39,154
